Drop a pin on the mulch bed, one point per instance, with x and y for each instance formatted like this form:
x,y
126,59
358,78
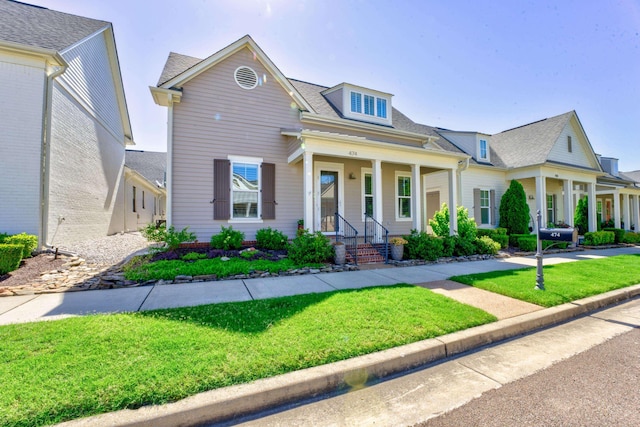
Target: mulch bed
x,y
31,269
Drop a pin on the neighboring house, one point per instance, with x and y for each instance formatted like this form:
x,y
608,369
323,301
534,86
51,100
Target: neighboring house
x,y
64,124
251,148
618,196
142,197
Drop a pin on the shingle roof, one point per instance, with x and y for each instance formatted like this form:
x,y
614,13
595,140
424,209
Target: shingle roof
x,y
150,164
176,64
44,28
631,176
529,144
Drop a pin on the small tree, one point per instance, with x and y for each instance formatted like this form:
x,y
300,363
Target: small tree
x,y
466,226
514,210
582,215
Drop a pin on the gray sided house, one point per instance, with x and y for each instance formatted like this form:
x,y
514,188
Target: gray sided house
x,y
250,148
64,124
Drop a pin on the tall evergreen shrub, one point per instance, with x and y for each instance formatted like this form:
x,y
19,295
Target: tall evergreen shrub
x,y
582,215
514,210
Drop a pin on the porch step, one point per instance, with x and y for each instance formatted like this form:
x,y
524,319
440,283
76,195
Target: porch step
x,y
367,254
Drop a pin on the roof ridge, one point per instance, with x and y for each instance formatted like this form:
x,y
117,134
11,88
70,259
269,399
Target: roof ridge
x,y
309,83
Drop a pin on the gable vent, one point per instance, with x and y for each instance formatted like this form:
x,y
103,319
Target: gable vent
x,y
246,77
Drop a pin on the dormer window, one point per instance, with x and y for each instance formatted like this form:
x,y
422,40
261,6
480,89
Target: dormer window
x,y
483,149
369,105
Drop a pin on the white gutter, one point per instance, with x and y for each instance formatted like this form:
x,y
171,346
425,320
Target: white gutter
x,y
45,151
463,165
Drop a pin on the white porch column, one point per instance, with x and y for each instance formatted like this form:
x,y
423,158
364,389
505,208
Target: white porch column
x,y
453,202
541,200
416,197
377,189
625,212
307,188
169,184
616,209
636,213
591,208
568,202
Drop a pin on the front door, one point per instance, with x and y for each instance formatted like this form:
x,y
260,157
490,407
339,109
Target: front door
x,y
328,200
328,195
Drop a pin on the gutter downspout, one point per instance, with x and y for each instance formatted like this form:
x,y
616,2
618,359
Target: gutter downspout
x,y
45,152
169,184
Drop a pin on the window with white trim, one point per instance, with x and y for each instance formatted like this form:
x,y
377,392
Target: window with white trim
x,y
367,193
381,108
356,102
403,196
485,207
550,209
245,190
483,149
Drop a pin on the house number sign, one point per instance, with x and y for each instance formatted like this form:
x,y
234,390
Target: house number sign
x,y
353,153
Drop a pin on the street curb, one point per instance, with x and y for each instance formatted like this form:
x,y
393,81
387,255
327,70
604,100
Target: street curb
x,y
244,399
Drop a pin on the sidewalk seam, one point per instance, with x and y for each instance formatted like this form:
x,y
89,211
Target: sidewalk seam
x,y
145,298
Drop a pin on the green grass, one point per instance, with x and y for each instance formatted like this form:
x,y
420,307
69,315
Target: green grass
x,y
60,370
141,270
563,282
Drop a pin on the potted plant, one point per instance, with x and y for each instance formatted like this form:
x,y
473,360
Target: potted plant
x,y
340,253
300,227
397,248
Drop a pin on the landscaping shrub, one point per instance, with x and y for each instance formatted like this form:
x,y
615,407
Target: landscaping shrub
x,y
496,234
10,257
228,238
29,243
556,245
169,236
514,238
485,245
463,247
421,245
528,243
310,248
192,256
618,232
3,236
631,237
463,243
514,210
597,238
271,239
582,215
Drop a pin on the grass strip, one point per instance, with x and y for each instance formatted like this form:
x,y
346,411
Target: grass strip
x,y
563,282
61,370
140,270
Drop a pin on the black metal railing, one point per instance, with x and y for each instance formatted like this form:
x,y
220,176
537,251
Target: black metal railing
x,y
347,233
377,236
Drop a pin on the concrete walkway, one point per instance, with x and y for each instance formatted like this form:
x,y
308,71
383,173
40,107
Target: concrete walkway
x,y
29,308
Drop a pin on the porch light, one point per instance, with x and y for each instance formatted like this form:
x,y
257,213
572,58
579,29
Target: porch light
x,y
531,197
302,145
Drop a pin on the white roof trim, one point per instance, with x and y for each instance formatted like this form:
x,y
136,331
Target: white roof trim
x,y
212,60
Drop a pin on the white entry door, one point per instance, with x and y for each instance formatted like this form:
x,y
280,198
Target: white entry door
x,y
329,195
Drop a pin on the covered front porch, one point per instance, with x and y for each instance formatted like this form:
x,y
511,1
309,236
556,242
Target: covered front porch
x,y
555,192
618,207
365,181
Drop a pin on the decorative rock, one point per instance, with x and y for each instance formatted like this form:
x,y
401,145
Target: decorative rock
x,y
183,278
224,258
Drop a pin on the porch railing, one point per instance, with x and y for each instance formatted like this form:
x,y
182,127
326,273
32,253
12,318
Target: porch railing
x,y
377,236
347,233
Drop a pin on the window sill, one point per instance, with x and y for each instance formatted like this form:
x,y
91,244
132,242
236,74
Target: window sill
x,y
245,221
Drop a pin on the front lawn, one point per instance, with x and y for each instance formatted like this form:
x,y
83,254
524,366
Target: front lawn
x,y
563,282
60,370
142,269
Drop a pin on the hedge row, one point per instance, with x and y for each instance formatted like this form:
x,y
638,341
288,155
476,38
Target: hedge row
x,y
496,234
14,248
618,234
597,238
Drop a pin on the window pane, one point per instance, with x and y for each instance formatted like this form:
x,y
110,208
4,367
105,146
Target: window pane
x,y
245,176
368,105
356,102
368,184
404,207
245,204
368,205
382,108
404,186
483,149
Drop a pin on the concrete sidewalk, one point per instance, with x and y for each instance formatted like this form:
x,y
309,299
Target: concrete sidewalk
x,y
29,308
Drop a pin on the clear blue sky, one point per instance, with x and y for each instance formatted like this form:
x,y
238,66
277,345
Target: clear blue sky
x,y
465,65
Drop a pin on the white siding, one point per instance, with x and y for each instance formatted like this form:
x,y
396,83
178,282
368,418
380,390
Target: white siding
x,y
85,172
217,118
90,76
21,109
579,155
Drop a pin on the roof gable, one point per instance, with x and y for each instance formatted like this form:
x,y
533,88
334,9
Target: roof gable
x,y
572,147
195,68
150,164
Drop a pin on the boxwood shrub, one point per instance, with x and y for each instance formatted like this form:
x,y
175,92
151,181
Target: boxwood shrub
x,y
496,234
528,243
10,257
514,238
597,238
618,232
421,245
29,243
271,239
631,237
309,248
